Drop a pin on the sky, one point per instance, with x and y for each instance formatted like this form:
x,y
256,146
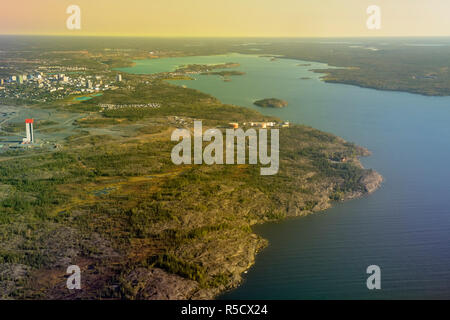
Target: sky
x,y
227,18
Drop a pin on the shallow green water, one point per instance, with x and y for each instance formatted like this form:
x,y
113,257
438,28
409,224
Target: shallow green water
x,y
403,227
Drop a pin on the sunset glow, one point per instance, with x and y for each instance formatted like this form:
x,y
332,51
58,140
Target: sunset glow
x,y
196,18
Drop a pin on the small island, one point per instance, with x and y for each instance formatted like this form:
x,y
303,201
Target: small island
x,y
204,68
225,73
211,69
271,103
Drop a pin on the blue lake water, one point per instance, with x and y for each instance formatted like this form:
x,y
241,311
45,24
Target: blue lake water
x,y
404,227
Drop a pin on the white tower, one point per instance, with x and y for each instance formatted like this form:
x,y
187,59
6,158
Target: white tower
x,y
29,129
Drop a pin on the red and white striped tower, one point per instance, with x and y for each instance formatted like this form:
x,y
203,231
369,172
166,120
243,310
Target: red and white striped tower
x,y
29,129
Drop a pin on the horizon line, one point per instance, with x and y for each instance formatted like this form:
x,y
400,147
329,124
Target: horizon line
x,y
214,37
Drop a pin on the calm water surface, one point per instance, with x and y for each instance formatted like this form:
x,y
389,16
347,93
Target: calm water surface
x,y
404,227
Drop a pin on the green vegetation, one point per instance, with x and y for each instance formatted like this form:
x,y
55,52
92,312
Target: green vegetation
x,y
174,265
206,68
121,194
111,200
271,103
225,73
400,64
389,64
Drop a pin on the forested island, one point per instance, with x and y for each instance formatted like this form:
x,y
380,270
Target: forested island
x,y
225,73
206,68
271,103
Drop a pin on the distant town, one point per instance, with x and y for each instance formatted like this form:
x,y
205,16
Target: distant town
x,y
51,83
42,86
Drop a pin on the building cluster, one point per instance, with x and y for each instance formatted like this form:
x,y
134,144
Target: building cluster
x,y
235,125
261,124
138,106
39,86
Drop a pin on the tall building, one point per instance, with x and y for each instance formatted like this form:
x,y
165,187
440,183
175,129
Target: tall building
x,y
29,129
119,78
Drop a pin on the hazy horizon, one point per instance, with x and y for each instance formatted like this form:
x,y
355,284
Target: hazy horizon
x,y
219,37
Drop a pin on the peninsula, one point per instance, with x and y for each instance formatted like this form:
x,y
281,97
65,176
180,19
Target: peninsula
x,y
103,193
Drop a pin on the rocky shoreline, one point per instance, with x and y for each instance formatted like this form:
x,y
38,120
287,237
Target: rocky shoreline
x,y
169,286
164,231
